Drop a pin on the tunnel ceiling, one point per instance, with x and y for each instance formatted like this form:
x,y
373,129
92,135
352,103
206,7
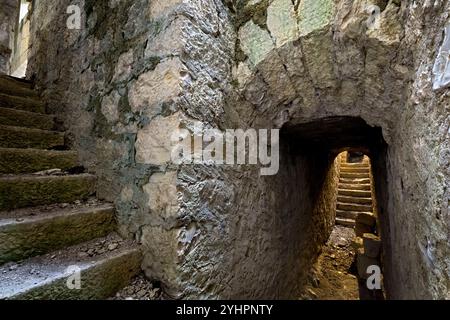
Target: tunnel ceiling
x,y
334,134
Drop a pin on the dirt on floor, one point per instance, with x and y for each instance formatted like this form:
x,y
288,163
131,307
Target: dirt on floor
x,y
140,288
333,276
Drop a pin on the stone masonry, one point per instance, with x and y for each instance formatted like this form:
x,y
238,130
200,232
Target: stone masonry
x,y
138,70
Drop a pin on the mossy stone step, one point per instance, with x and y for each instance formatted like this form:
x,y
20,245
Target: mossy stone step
x,y
27,191
19,161
20,118
22,103
16,87
18,137
29,232
46,277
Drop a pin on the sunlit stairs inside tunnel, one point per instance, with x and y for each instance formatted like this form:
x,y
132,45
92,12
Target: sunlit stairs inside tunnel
x,y
354,189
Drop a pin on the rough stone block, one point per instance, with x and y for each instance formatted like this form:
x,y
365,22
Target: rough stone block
x,y
372,245
361,229
157,86
367,219
363,262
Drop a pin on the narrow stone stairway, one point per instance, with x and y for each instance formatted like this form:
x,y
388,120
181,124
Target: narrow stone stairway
x,y
354,191
51,224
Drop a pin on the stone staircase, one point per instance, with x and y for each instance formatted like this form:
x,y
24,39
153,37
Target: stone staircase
x,y
51,224
354,191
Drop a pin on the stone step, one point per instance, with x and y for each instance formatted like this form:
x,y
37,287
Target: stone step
x,y
354,181
20,118
355,193
18,137
16,87
22,103
355,170
104,270
350,223
28,190
31,232
346,214
352,175
355,200
355,165
19,161
347,186
349,214
353,207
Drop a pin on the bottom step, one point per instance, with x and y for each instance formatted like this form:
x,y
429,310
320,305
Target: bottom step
x,y
106,265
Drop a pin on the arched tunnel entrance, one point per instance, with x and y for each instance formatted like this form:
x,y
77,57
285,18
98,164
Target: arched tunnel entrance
x,y
346,169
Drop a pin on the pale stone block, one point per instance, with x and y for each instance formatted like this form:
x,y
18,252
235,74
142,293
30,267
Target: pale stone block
x,y
314,15
255,42
154,142
123,67
169,41
110,107
160,7
281,21
157,86
162,194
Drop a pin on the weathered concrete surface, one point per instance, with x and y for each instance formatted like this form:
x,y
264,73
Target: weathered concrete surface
x,y
226,232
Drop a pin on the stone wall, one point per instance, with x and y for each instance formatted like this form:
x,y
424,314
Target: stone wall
x,y
139,70
8,16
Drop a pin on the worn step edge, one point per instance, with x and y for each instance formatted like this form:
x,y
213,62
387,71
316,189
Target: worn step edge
x,y
346,214
20,137
362,187
355,193
22,237
354,181
352,175
27,191
101,276
355,200
21,118
17,161
345,222
353,207
355,170
21,103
